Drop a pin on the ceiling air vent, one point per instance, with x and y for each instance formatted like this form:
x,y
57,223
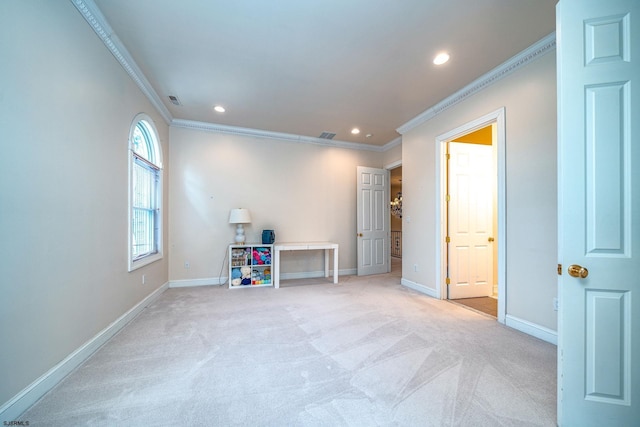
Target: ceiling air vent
x,y
327,135
174,100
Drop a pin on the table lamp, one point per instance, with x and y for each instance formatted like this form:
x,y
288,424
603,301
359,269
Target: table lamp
x,y
239,216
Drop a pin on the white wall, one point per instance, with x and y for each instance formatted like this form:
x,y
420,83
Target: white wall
x,y
393,155
529,97
66,107
303,192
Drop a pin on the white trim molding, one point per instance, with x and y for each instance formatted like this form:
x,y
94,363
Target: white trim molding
x,y
234,130
33,392
540,332
393,165
420,288
497,117
535,51
210,281
219,281
316,274
91,13
389,145
96,20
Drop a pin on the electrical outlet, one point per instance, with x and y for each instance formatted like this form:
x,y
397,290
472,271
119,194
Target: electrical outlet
x,y
556,304
143,279
186,264
415,267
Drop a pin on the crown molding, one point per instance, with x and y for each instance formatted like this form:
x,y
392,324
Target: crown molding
x,y
91,13
257,133
96,20
393,143
538,49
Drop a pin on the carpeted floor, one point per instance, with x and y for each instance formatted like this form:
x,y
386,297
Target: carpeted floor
x,y
365,352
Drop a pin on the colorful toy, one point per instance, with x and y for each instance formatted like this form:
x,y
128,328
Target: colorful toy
x,y
256,277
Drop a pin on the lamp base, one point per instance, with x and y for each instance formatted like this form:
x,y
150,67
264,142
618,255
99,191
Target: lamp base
x,y
240,234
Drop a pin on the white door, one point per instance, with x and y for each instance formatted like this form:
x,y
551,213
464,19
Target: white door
x,y
470,220
599,212
373,221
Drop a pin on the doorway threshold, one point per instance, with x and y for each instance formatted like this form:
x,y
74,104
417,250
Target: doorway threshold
x,y
483,305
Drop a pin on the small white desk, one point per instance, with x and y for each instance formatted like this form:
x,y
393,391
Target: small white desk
x,y
305,246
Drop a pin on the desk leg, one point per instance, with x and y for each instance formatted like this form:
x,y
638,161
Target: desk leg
x,y
335,265
275,273
326,263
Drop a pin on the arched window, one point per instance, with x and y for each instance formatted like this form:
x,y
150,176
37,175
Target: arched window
x,y
145,193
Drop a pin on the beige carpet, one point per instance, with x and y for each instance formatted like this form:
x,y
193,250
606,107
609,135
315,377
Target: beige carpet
x,y
366,352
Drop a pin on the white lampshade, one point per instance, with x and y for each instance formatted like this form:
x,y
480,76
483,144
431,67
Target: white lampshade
x,y
239,216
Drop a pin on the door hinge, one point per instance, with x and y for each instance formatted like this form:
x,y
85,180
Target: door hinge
x,y
559,269
448,198
447,281
447,239
448,156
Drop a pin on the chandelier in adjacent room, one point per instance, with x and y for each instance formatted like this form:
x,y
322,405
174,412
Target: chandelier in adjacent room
x,y
396,206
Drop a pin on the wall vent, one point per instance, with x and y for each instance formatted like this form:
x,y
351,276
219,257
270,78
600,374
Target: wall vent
x,y
327,135
174,100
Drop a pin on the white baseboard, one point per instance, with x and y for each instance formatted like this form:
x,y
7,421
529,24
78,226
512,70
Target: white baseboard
x,y
211,281
540,332
219,281
420,288
315,274
12,409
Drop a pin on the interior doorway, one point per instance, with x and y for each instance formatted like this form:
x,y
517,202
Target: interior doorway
x,y
476,266
471,219
395,219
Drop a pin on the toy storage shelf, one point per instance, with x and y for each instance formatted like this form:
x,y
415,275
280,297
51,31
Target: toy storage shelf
x,y
251,263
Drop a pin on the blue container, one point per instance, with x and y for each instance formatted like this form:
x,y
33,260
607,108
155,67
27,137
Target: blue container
x,y
268,237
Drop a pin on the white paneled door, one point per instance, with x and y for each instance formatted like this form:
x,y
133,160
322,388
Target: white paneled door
x,y
470,220
599,212
373,221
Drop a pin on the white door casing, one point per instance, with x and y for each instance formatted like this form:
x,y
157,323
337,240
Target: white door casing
x,y
372,221
497,117
470,220
599,212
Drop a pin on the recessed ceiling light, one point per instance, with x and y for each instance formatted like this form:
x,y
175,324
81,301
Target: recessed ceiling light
x,y
355,131
441,58
219,108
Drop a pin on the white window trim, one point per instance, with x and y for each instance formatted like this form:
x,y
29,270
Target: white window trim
x,y
141,262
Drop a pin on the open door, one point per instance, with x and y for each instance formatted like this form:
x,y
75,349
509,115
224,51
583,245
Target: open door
x,y
373,221
599,212
470,220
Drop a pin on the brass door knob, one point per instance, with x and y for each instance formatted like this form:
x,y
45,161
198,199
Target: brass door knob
x,y
359,234
491,239
577,271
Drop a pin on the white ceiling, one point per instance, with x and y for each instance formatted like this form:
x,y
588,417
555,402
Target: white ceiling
x,y
307,66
